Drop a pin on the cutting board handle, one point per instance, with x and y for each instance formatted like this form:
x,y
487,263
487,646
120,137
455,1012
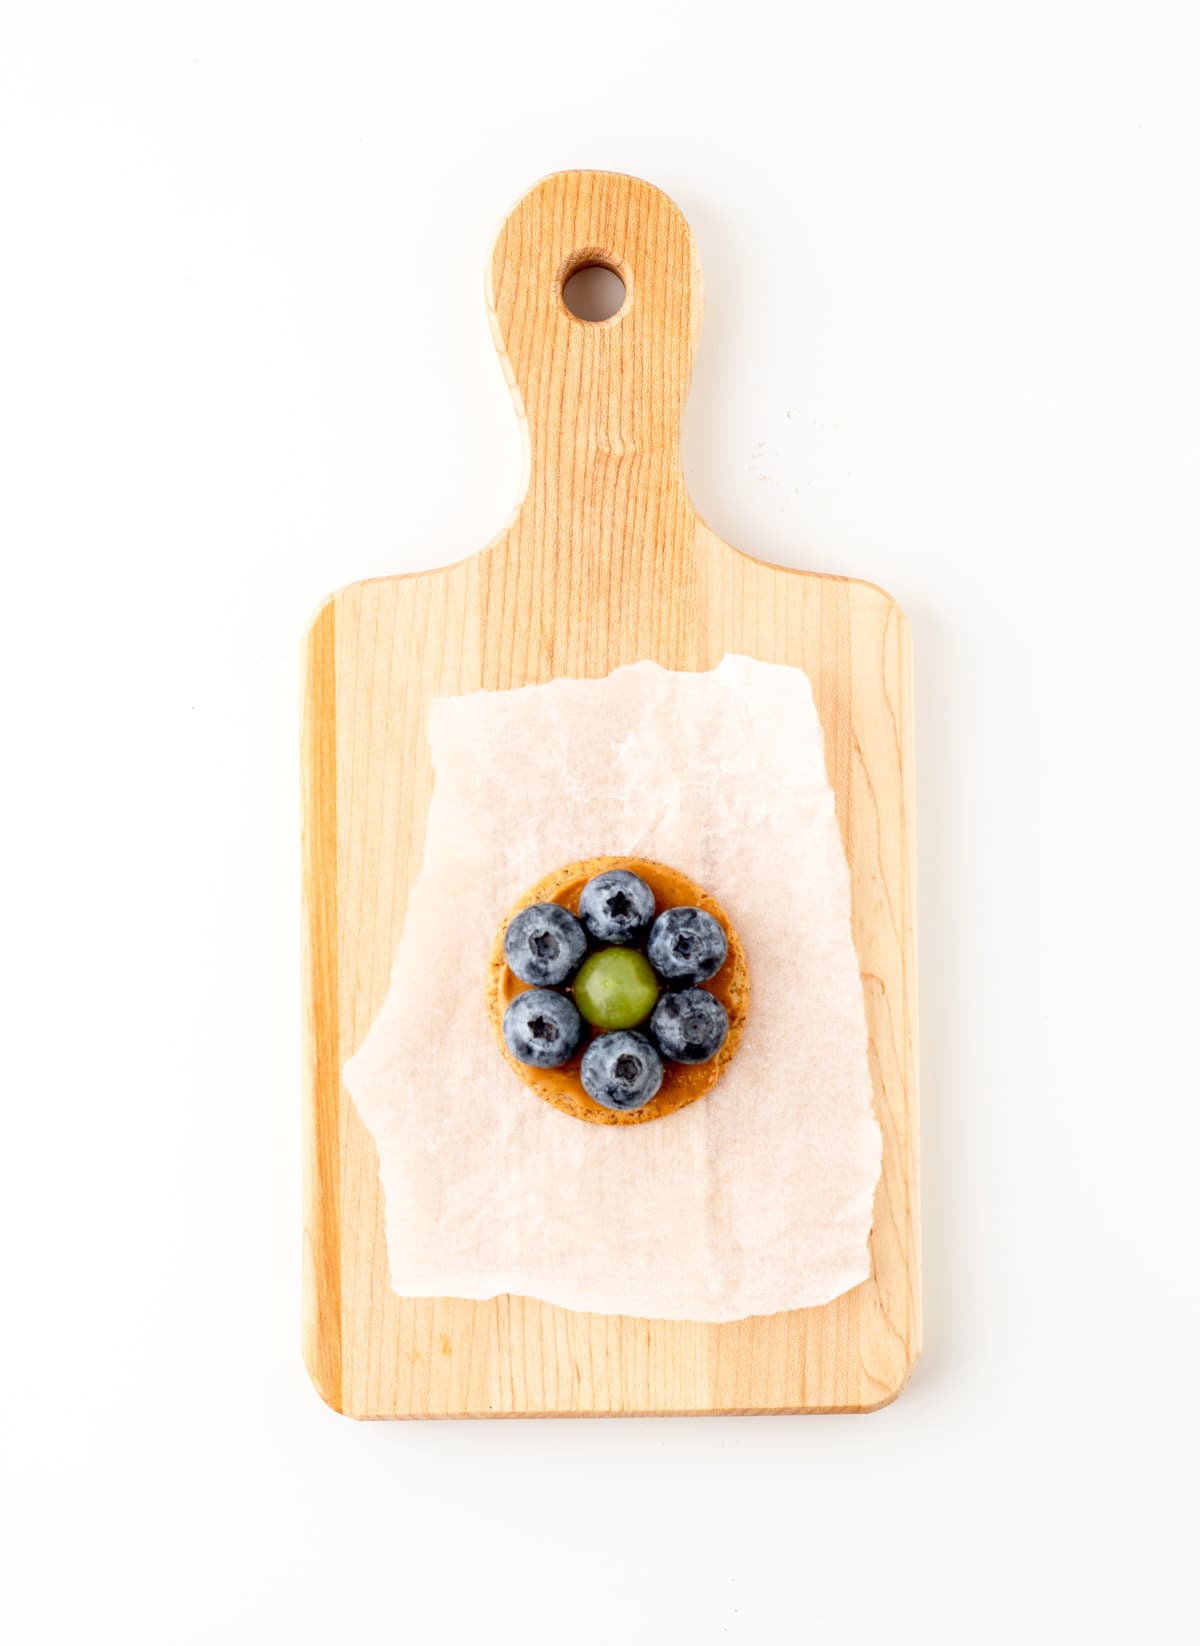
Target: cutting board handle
x,y
606,393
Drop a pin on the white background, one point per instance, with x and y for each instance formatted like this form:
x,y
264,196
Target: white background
x,y
952,345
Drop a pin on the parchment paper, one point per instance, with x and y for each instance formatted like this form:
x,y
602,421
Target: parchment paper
x,y
754,1199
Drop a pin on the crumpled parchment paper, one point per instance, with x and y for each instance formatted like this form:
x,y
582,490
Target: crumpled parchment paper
x,y
754,1199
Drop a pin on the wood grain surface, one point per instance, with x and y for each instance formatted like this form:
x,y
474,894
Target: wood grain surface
x,y
604,562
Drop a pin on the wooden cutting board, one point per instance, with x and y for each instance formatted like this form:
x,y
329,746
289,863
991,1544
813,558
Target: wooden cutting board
x,y
605,562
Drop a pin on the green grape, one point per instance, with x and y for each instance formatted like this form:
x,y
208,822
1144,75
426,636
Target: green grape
x,y
616,989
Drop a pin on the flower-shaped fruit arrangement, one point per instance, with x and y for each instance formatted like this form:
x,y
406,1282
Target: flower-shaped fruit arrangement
x,y
618,989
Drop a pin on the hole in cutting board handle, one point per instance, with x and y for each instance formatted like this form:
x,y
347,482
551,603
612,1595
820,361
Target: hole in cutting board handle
x,y
594,290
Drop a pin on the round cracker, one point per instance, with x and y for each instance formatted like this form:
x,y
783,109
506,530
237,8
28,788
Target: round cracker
x,y
682,1083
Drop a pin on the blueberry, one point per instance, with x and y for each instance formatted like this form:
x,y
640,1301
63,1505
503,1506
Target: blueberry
x,y
622,1070
544,944
617,907
542,1028
689,1026
686,946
